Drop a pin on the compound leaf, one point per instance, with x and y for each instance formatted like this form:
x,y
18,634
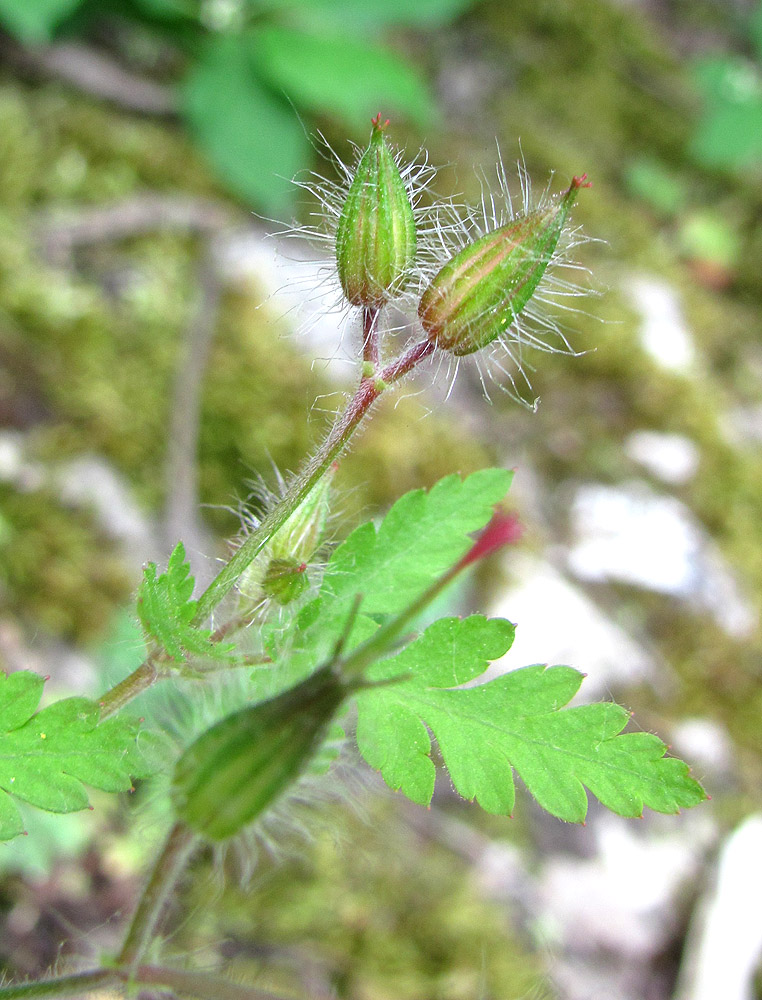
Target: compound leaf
x,y
516,722
45,757
420,538
386,567
166,610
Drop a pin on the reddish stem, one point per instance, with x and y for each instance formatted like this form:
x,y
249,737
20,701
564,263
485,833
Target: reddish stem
x,y
370,348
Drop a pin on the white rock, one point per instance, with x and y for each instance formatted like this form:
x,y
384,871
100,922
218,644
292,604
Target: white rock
x,y
557,623
298,285
705,745
725,945
672,458
663,333
15,467
633,535
742,425
623,900
11,456
90,481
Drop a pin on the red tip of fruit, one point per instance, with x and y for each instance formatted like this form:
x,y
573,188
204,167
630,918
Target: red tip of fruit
x,y
377,123
581,182
503,529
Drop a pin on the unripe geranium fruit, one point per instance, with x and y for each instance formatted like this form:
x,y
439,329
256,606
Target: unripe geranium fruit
x,y
279,571
481,291
375,239
238,768
285,580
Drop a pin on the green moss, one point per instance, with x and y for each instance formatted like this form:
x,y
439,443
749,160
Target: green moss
x,y
413,926
58,572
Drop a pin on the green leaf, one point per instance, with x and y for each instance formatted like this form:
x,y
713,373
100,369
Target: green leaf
x,y
166,611
513,723
251,136
34,21
730,131
354,15
342,76
170,9
755,30
421,537
46,757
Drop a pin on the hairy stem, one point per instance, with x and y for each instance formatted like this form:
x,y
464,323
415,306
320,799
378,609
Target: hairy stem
x,y
338,437
65,986
166,871
367,393
370,347
202,985
130,687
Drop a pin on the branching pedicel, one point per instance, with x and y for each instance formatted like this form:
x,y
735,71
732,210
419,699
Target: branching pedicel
x,y
350,633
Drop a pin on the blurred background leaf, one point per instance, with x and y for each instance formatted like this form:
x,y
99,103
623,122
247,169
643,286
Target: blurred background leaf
x,y
730,131
251,136
354,15
251,73
34,21
345,77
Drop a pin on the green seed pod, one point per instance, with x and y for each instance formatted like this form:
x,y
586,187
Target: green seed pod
x,y
292,545
235,770
480,291
375,239
285,580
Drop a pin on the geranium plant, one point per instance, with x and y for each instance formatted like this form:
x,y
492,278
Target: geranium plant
x,y
310,632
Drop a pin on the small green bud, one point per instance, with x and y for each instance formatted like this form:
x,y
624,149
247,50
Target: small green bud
x,y
238,768
375,239
481,291
294,544
285,580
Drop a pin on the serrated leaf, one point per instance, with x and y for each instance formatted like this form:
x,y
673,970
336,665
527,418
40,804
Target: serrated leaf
x,y
46,757
343,76
251,135
166,611
421,537
515,723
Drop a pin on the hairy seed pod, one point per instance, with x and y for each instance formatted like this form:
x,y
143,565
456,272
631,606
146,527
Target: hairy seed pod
x,y
285,580
279,571
239,767
481,291
375,239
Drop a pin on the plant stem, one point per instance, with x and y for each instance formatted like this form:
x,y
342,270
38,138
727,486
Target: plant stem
x,y
168,867
202,985
367,393
130,687
383,638
370,348
65,986
338,437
